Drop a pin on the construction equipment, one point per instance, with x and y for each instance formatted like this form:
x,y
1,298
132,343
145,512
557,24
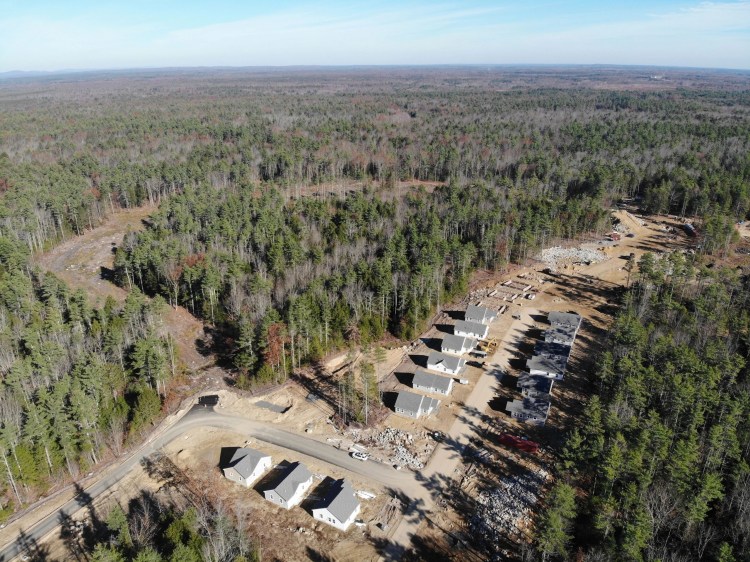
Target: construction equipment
x,y
488,346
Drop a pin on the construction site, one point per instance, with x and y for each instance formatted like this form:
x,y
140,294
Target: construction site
x,y
469,476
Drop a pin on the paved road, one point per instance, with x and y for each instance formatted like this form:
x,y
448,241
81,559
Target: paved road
x,y
403,482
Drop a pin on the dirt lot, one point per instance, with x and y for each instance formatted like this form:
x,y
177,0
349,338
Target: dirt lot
x,y
86,262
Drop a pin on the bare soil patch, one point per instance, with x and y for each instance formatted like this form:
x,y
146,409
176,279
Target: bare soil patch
x,y
85,262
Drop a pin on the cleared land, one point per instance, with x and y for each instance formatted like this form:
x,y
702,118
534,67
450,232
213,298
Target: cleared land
x,y
469,466
85,262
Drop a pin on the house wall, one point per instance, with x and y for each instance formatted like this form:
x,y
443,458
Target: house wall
x,y
423,388
555,376
441,368
301,490
472,335
455,351
275,498
263,465
406,413
322,514
232,474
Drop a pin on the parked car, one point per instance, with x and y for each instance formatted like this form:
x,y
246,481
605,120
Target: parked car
x,y
360,456
438,436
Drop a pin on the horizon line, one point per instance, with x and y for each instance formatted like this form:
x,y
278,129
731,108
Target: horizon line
x,y
20,73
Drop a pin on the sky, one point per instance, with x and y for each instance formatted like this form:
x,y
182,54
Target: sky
x,y
104,34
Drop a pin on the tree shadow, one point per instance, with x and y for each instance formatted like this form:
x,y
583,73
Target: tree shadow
x,y
517,363
498,403
509,381
107,274
30,549
317,556
71,533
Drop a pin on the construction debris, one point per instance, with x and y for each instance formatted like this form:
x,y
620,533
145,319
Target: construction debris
x,y
558,256
506,511
400,446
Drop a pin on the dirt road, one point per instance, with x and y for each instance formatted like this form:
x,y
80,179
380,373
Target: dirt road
x,y
403,482
85,261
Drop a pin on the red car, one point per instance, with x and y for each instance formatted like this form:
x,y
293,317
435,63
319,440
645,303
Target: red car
x,y
519,443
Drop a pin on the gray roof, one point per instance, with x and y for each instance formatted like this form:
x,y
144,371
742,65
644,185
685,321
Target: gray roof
x,y
550,348
564,318
534,386
340,500
480,314
549,357
449,361
296,476
245,460
534,408
416,403
470,327
430,380
452,341
560,333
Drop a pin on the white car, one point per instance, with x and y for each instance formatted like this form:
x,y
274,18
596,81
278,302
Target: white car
x,y
360,456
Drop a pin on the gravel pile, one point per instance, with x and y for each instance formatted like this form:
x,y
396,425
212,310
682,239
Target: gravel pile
x,y
556,256
621,228
390,435
503,511
403,457
399,444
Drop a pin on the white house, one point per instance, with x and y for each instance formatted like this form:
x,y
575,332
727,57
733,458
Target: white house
x,y
292,488
340,507
432,383
415,405
448,364
468,329
457,345
479,314
246,466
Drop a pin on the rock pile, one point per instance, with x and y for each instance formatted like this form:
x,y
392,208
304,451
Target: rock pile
x,y
621,228
390,436
399,444
556,256
403,457
503,511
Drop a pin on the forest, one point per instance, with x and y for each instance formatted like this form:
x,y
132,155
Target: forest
x,y
301,212
658,468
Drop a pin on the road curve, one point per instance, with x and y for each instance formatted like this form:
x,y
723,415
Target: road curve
x,y
206,416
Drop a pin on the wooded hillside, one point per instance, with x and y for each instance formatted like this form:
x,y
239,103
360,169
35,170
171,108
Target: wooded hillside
x,y
662,454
